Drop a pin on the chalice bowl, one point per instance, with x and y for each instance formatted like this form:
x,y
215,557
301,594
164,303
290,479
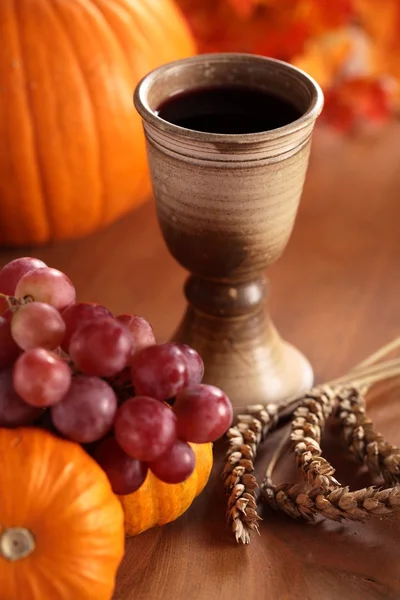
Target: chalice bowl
x,y
228,139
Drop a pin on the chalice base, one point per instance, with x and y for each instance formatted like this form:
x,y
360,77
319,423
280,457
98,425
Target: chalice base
x,y
246,357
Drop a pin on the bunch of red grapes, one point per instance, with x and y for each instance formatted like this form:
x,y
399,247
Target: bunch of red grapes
x,y
100,380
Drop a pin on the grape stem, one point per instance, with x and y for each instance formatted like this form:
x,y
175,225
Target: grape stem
x,y
14,303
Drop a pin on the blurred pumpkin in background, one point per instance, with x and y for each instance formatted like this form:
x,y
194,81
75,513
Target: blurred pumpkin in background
x,y
72,152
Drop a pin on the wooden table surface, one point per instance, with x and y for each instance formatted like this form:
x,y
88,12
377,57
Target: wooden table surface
x,y
336,294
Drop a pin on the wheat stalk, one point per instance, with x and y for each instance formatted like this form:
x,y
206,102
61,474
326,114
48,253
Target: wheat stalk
x,y
307,424
368,446
336,504
239,480
323,495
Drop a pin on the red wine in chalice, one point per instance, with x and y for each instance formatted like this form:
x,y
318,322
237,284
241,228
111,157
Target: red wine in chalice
x,y
228,110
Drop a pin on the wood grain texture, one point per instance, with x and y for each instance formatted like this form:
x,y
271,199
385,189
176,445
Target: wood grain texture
x,y
336,296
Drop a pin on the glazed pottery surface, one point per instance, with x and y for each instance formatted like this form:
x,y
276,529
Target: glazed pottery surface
x,y
226,204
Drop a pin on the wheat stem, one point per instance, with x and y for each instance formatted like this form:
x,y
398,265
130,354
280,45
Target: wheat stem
x,y
277,455
380,353
375,372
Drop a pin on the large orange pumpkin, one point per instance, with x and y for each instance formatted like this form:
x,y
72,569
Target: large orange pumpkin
x,y
158,503
72,152
61,527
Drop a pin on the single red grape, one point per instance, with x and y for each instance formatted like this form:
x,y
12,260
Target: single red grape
x,y
126,474
176,464
145,428
195,364
141,330
159,371
79,314
12,272
47,285
14,412
101,347
41,377
37,324
9,351
87,411
203,412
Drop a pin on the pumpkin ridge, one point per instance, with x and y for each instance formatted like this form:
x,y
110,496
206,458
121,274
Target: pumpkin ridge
x,y
7,208
140,27
72,128
174,12
78,63
98,8
35,153
133,23
42,151
58,487
40,473
79,500
120,107
44,582
153,14
149,20
124,13
71,584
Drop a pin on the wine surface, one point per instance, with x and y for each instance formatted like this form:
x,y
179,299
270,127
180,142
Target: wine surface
x,y
228,110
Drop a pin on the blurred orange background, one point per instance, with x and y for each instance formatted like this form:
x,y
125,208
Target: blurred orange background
x,y
352,47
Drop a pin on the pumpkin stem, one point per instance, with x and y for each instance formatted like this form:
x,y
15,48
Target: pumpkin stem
x,y
16,543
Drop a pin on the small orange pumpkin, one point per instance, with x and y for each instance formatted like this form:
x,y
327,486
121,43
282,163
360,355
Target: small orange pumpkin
x,y
61,527
158,503
72,150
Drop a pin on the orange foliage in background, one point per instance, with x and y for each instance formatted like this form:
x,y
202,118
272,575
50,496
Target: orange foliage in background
x,y
352,47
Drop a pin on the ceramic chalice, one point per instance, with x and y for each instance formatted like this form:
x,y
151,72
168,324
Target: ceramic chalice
x,y
228,138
